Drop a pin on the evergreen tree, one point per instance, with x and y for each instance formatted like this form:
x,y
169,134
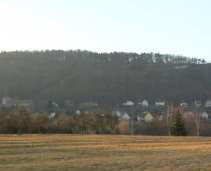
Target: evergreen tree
x,y
178,128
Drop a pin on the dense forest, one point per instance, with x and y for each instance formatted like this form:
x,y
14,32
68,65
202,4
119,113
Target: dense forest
x,y
105,78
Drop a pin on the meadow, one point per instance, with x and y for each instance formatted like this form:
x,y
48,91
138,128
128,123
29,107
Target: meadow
x,y
104,152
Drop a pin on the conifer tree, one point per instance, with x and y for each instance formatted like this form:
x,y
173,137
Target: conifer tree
x,y
178,128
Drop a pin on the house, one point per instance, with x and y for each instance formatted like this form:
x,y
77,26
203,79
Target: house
x,y
77,112
52,115
128,103
148,117
207,104
204,115
125,116
121,115
198,103
144,103
144,116
160,103
27,104
180,61
141,116
184,104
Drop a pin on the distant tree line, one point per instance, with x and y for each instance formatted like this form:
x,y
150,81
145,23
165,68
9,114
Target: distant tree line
x,y
105,78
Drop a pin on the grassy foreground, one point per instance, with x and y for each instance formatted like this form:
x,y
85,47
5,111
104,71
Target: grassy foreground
x,y
104,152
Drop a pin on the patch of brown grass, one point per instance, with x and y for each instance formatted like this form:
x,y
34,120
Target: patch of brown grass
x,y
104,152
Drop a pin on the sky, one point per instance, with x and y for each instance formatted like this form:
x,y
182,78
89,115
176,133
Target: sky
x,y
179,27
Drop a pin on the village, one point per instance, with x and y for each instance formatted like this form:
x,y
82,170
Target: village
x,y
136,117
142,111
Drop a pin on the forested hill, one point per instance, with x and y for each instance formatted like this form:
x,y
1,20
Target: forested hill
x,y
106,78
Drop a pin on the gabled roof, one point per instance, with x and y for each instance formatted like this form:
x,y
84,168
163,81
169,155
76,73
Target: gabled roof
x,y
184,104
204,115
208,103
148,117
144,103
128,103
125,116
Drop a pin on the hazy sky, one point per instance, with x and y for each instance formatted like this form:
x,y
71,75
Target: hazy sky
x,y
164,26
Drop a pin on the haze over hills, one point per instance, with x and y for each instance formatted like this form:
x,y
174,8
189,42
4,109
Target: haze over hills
x,y
105,78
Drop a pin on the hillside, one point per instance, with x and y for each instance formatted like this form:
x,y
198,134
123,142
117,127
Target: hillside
x,y
106,78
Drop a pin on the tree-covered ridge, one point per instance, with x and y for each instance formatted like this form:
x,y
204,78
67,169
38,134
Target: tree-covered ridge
x,y
106,78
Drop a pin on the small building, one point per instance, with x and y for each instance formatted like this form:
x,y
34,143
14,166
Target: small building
x,y
141,116
52,115
121,115
145,116
180,61
184,104
204,115
77,112
207,104
128,103
148,117
198,103
125,116
160,103
144,103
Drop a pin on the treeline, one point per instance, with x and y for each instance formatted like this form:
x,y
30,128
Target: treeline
x,y
105,78
101,121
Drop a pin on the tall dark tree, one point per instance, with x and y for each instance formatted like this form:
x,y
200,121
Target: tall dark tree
x,y
178,128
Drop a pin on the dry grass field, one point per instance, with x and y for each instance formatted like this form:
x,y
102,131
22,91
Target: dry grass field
x,y
104,152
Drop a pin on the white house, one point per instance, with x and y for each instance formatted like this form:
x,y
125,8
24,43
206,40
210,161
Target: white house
x,y
125,116
197,103
183,104
204,115
52,115
121,115
128,103
144,116
208,103
144,103
160,103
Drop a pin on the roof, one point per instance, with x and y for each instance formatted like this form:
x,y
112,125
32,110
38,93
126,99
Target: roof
x,y
125,116
148,117
129,103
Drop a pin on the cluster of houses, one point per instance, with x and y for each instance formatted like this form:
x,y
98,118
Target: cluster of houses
x,y
143,115
148,117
